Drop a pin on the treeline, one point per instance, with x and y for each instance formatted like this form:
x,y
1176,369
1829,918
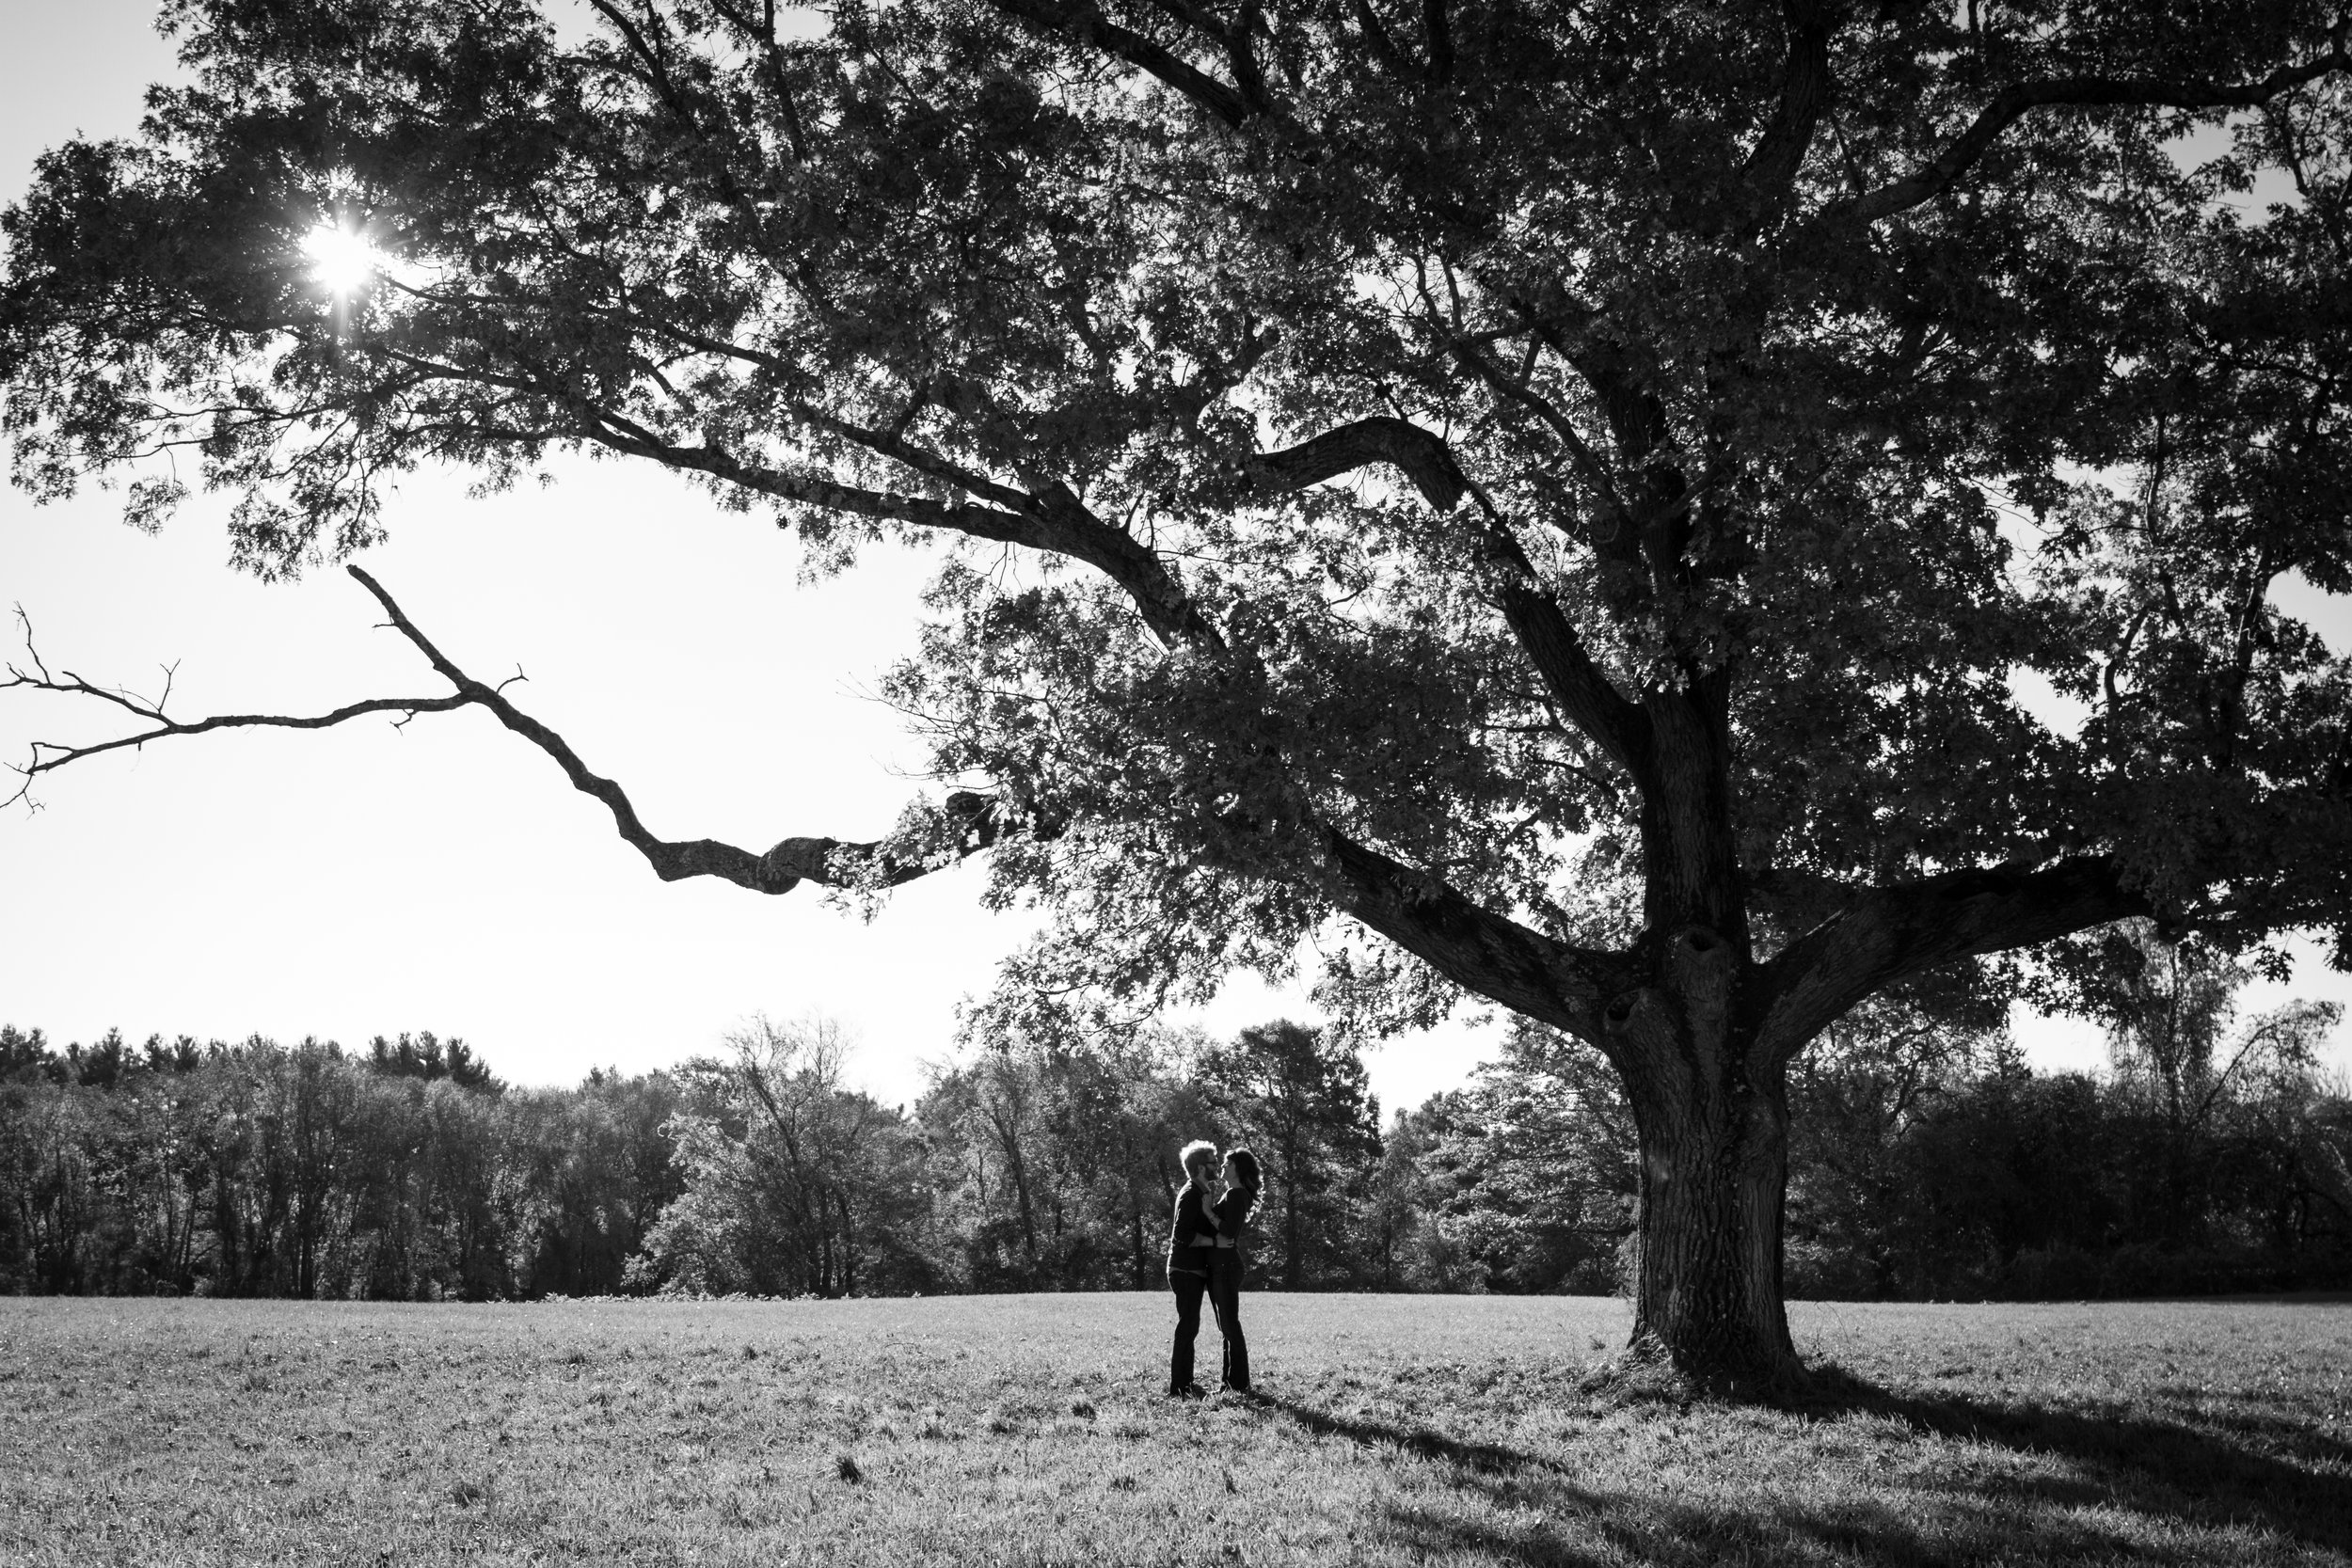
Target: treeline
x,y
2213,1156
256,1170
1927,1161
410,1172
1927,1164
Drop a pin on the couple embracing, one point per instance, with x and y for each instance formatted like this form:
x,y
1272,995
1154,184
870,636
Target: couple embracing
x,y
1204,1258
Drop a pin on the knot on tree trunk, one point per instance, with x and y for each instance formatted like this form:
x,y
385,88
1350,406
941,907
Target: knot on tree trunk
x,y
1702,968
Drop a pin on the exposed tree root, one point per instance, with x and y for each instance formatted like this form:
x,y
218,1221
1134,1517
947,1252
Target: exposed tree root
x,y
1646,1374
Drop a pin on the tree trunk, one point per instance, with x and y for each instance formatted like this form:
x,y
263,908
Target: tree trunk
x,y
1009,1141
1707,1279
1291,1275
1713,1132
848,1243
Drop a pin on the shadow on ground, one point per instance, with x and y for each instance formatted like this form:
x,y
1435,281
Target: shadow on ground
x,y
2095,1488
2284,1476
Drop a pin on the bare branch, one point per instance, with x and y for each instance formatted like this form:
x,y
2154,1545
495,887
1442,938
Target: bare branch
x,y
48,756
973,821
967,823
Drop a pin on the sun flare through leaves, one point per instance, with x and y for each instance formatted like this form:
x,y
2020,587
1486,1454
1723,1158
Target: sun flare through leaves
x,y
341,260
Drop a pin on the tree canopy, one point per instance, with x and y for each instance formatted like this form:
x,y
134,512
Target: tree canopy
x,y
1566,489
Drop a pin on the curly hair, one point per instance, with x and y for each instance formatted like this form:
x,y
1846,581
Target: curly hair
x,y
1200,1148
1245,1167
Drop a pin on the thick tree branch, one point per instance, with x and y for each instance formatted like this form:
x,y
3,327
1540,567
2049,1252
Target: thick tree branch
x,y
1439,30
2085,92
1886,934
973,819
1242,55
1084,21
1421,456
1054,520
1376,35
1478,950
1772,165
1583,694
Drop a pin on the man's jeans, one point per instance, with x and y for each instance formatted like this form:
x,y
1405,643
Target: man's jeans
x,y
1190,1288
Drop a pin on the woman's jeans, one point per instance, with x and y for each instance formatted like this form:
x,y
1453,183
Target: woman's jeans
x,y
1225,1299
1189,1289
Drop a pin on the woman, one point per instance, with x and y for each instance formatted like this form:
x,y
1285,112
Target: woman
x,y
1230,1213
1191,1243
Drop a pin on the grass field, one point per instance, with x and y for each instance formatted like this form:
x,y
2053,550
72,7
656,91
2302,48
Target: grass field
x,y
1024,1430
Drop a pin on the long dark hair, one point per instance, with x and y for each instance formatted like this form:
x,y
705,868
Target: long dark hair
x,y
1245,1167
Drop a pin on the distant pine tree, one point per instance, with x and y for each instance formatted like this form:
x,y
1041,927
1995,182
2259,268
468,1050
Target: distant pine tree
x,y
24,1053
101,1066
425,1056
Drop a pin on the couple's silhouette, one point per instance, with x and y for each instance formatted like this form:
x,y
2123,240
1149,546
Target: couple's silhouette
x,y
1204,1258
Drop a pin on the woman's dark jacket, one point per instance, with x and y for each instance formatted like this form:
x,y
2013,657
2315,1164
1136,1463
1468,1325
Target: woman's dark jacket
x,y
1229,1213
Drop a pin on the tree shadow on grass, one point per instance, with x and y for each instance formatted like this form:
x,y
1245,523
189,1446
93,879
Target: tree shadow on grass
x,y
2147,1489
2286,1476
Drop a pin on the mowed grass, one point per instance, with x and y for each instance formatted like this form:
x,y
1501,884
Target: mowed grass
x,y
1027,1430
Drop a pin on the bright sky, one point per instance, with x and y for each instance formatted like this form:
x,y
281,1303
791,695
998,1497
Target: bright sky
x,y
365,881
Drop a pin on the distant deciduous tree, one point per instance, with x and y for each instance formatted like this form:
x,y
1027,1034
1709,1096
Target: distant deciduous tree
x,y
596,1173
1860,1219
1538,1167
1301,1099
2168,1006
1055,1167
792,1183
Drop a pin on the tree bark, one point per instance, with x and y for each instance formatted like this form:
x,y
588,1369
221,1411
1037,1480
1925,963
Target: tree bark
x,y
1712,1123
1708,1277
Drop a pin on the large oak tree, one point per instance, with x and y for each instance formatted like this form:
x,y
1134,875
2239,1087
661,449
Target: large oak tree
x,y
1561,491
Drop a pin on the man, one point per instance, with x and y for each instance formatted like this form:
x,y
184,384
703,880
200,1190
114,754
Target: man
x,y
1191,1246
